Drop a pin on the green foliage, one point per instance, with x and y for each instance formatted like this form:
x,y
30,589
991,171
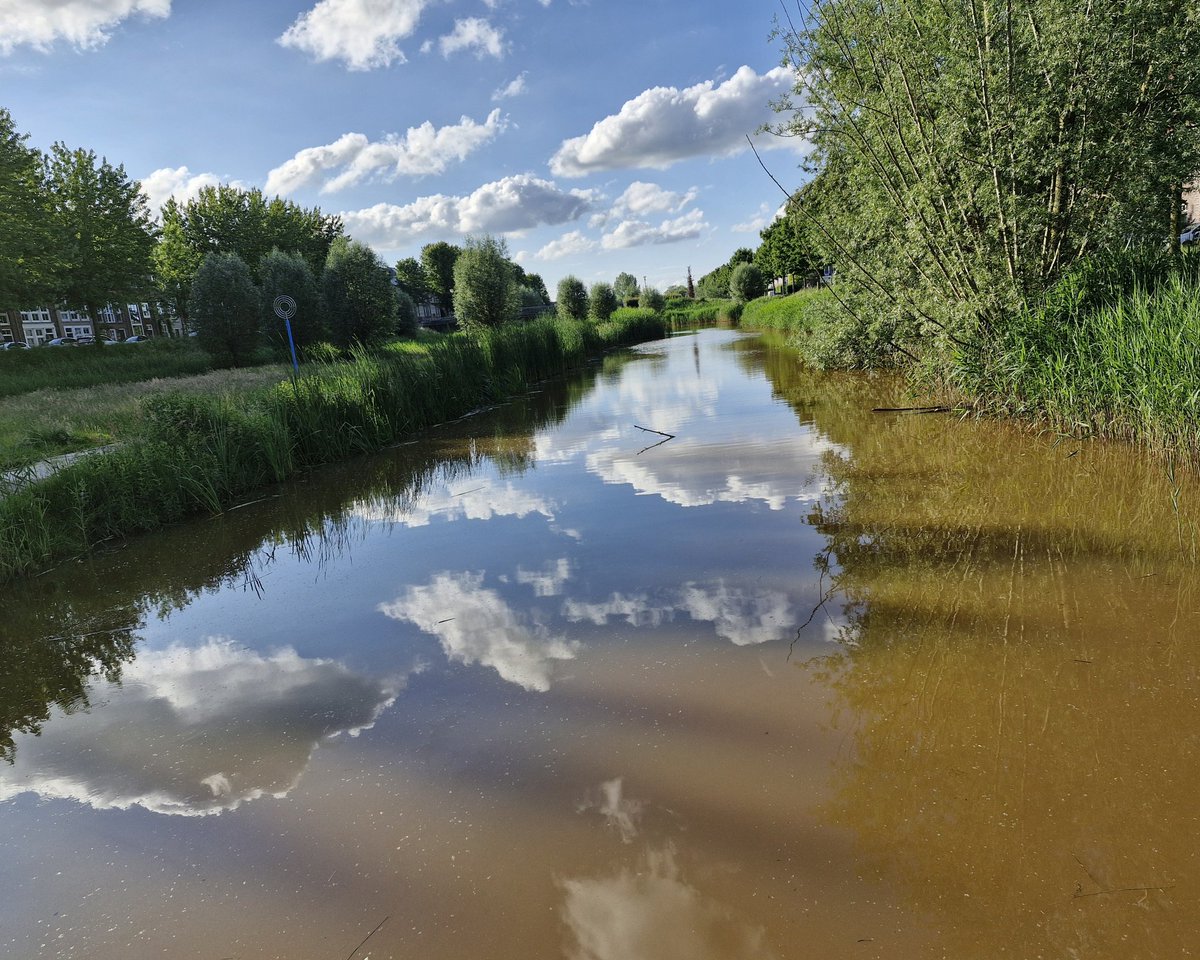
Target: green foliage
x,y
572,301
653,299
226,309
437,261
602,301
102,227
287,274
787,250
410,278
357,295
27,263
226,219
407,324
625,287
485,292
1108,351
793,314
745,282
960,163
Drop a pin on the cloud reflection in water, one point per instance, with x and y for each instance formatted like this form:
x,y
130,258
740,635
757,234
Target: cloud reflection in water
x,y
196,731
477,626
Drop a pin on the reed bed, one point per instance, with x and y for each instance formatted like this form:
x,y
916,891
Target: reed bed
x,y
205,453
1126,367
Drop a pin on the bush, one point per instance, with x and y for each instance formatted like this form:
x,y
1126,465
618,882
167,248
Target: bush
x,y
485,294
746,283
653,299
357,294
225,309
572,299
601,302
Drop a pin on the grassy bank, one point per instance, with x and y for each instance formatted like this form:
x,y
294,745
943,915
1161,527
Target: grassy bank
x,y
685,312
49,422
1111,351
200,452
1114,356
70,368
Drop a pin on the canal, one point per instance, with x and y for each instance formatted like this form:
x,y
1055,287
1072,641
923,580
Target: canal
x,y
691,656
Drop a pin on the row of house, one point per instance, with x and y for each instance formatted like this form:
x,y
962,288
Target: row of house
x,y
114,322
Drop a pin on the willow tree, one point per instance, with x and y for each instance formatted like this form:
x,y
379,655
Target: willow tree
x,y
976,150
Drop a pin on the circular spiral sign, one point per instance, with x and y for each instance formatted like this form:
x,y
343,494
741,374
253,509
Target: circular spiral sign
x,y
285,308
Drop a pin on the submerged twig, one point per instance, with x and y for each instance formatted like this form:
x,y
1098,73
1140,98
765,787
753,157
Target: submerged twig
x,y
936,409
668,436
368,937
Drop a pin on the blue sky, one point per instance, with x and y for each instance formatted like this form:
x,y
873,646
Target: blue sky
x,y
596,136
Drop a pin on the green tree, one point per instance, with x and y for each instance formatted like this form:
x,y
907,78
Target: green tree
x,y
226,309
785,250
27,251
745,282
230,220
653,299
602,301
572,299
174,263
437,260
977,151
485,291
287,274
625,287
357,293
104,233
410,278
407,323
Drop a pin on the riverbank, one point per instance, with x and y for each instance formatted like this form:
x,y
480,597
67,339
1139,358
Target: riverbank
x,y
206,453
1110,352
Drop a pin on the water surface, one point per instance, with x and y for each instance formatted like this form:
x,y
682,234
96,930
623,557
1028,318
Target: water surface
x,y
804,680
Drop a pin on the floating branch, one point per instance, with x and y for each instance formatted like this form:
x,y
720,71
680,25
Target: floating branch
x,y
667,436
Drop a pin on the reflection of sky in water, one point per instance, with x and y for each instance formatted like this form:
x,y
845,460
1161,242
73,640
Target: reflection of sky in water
x,y
477,626
651,913
196,731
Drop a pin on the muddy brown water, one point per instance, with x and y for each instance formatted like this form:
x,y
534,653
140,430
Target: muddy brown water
x,y
804,681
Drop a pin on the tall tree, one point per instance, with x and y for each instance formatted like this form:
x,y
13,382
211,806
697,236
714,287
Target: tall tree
x,y
104,233
230,220
357,293
485,290
986,147
745,282
226,309
437,260
625,287
410,278
27,261
174,262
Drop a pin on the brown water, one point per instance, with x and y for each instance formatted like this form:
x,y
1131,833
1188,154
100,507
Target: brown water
x,y
804,681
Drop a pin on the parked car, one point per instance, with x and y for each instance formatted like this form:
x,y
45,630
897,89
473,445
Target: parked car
x,y
1191,235
136,338
61,342
14,345
85,341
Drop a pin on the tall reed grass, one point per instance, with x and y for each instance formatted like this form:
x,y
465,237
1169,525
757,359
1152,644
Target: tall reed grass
x,y
1102,361
203,453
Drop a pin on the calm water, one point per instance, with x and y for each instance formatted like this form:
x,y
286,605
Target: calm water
x,y
803,681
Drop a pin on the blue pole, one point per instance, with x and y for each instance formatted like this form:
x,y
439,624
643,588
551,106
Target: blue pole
x,y
292,344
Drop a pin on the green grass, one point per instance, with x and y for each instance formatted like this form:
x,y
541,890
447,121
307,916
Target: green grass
x,y
67,368
199,452
685,312
791,314
1125,366
48,422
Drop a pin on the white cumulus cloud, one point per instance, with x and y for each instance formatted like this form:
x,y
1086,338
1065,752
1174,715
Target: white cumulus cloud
x,y
84,23
514,88
569,244
474,33
362,33
178,183
640,233
665,125
514,203
421,151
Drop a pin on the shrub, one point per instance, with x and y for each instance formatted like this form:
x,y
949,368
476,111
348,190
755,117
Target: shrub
x,y
485,294
601,302
572,299
225,309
